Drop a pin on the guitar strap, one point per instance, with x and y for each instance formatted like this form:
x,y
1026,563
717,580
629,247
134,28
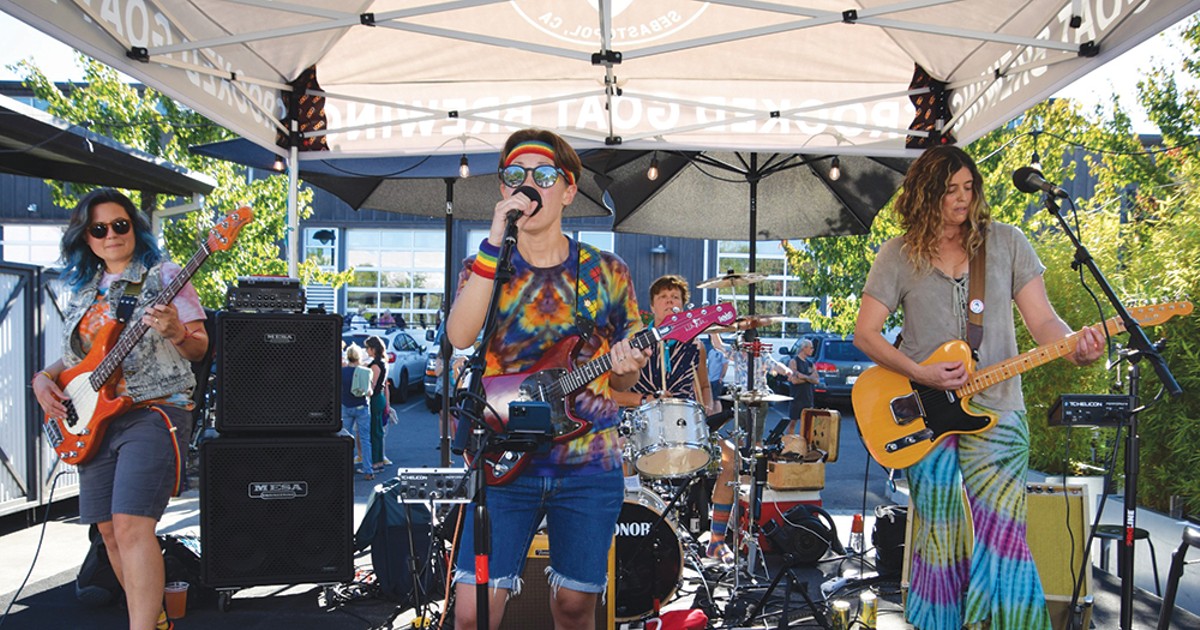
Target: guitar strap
x,y
128,301
975,302
587,288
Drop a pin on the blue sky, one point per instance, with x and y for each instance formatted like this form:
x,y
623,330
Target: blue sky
x,y
1118,76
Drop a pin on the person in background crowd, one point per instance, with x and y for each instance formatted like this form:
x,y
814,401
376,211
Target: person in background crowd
x,y
801,378
386,320
109,252
379,400
356,410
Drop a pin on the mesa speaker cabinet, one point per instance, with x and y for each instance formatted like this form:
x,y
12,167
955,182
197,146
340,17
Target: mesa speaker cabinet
x,y
278,372
1056,534
276,511
531,609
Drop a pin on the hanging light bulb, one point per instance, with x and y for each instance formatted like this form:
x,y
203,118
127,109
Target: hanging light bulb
x,y
652,172
835,169
1035,160
278,165
464,169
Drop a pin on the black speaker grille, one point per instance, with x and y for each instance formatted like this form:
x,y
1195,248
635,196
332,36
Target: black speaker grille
x,y
278,372
276,511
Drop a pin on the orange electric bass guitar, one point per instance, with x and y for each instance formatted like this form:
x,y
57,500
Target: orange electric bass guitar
x,y
553,380
901,420
91,385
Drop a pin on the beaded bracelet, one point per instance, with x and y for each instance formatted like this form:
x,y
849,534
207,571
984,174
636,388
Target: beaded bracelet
x,y
35,375
485,260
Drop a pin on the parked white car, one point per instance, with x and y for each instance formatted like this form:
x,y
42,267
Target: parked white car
x,y
405,357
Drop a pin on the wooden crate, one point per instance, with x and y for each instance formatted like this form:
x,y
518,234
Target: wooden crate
x,y
796,475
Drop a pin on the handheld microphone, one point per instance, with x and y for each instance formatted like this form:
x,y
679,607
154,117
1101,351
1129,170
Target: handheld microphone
x,y
533,195
1028,179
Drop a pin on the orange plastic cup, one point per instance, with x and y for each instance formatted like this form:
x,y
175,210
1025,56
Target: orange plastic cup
x,y
175,595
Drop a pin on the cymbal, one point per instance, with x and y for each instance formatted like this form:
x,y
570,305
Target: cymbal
x,y
757,397
747,322
731,279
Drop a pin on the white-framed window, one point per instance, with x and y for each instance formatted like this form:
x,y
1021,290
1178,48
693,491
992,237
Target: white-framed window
x,y
35,244
397,270
783,292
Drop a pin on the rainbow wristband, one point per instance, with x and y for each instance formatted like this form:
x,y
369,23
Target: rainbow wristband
x,y
485,260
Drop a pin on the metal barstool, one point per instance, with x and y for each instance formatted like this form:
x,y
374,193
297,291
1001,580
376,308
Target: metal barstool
x,y
1116,533
1191,538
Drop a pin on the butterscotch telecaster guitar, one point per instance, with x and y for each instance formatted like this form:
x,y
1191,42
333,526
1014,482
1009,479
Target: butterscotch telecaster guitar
x,y
901,421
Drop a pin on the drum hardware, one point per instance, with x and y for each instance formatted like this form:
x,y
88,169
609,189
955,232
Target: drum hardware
x,y
757,397
731,279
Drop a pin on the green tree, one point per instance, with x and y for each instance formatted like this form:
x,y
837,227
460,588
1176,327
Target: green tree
x,y
1141,225
146,119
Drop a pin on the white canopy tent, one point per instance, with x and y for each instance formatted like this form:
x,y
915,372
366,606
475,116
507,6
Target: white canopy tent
x,y
415,77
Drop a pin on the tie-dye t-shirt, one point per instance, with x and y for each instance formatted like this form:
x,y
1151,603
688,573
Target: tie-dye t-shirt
x,y
537,310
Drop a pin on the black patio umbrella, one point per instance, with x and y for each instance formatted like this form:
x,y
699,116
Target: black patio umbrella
x,y
757,196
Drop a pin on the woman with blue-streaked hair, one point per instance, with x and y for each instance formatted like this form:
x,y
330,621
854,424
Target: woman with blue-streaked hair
x,y
109,252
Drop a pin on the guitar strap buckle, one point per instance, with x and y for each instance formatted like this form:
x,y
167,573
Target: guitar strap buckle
x,y
128,301
125,308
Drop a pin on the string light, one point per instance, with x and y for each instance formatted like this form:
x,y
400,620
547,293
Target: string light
x,y
835,169
464,169
652,172
279,165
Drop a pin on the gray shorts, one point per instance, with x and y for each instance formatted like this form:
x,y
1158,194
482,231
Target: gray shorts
x,y
136,468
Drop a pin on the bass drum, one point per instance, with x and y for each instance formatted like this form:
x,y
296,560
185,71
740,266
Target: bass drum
x,y
649,556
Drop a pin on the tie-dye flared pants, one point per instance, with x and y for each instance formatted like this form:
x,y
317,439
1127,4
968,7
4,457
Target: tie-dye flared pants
x,y
957,581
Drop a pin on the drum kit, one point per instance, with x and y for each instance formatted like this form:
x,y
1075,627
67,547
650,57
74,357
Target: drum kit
x,y
671,445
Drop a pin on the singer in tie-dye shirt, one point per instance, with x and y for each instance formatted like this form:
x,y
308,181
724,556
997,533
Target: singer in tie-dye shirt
x,y
557,284
964,577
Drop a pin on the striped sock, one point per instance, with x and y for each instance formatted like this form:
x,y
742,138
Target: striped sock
x,y
720,523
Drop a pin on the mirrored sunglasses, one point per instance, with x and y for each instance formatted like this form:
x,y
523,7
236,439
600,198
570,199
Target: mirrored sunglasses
x,y
100,230
544,176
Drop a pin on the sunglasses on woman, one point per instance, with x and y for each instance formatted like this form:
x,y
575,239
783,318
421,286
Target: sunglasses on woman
x,y
544,176
100,230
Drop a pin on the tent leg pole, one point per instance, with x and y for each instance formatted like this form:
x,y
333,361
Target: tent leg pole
x,y
293,211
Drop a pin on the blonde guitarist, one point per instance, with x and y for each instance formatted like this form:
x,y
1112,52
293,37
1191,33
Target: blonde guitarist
x,y
110,252
924,273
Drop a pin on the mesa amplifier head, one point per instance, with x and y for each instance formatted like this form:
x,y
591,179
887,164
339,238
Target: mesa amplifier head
x,y
265,294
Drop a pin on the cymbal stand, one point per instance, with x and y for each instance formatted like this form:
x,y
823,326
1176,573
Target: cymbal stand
x,y
738,436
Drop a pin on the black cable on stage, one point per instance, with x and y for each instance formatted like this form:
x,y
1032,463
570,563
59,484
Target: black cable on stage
x,y
38,550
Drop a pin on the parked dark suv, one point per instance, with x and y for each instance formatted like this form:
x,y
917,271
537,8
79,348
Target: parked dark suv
x,y
838,364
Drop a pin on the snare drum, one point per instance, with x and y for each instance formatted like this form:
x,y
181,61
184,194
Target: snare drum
x,y
669,438
649,556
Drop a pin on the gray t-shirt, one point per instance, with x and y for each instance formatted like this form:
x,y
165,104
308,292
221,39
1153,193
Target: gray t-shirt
x,y
935,308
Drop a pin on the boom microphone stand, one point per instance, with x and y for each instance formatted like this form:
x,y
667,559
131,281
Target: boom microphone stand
x,y
1141,347
471,408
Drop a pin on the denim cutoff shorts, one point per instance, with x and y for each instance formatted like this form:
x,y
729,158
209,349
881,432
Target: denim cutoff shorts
x,y
135,468
581,515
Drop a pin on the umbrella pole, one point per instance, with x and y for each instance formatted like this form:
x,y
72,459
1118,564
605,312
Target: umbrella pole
x,y
444,342
293,210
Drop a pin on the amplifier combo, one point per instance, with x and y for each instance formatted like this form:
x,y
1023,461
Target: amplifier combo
x,y
438,485
266,294
1090,410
